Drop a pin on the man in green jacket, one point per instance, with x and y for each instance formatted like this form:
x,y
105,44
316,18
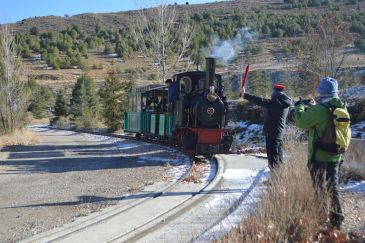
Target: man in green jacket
x,y
323,166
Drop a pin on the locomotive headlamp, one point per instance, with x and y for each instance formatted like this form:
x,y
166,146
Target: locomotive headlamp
x,y
211,96
211,89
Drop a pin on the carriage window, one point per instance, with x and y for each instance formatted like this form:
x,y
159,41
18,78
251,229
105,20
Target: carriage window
x,y
185,84
138,103
144,102
133,103
130,103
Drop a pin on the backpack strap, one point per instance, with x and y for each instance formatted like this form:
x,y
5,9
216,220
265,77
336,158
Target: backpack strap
x,y
315,146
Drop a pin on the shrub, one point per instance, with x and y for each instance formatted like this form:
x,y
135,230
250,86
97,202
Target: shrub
x,y
87,122
61,122
153,76
19,137
357,110
246,111
360,44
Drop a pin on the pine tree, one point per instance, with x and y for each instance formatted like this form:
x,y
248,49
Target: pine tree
x,y
60,108
114,99
260,84
85,102
41,102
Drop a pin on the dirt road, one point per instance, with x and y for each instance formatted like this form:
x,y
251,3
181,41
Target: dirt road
x,y
69,175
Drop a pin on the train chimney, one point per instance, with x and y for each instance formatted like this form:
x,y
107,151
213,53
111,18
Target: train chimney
x,y
210,71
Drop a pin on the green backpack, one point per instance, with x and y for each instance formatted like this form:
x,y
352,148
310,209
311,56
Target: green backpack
x,y
336,138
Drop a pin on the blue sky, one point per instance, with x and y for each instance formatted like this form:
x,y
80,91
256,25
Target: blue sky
x,y
15,10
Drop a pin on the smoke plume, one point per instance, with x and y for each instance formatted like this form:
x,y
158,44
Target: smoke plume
x,y
226,50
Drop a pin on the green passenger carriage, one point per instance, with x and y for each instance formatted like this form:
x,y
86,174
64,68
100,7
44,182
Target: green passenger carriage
x,y
147,112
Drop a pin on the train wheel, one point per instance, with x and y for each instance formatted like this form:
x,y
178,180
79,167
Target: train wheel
x,y
188,140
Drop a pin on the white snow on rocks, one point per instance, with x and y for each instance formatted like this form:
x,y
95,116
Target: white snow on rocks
x,y
358,130
249,134
354,92
354,186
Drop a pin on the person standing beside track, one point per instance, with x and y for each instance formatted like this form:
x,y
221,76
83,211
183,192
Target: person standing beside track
x,y
171,93
323,165
277,109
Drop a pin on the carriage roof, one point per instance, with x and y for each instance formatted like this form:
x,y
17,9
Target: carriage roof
x,y
149,87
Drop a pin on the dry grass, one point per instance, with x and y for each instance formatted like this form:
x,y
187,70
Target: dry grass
x,y
356,152
289,210
199,168
194,175
19,137
34,121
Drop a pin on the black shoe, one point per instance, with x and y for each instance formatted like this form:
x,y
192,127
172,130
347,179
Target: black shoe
x,y
336,220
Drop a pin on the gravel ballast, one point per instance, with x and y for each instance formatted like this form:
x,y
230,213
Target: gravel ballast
x,y
70,175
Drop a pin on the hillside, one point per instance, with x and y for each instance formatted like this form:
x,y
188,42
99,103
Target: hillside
x,y
79,43
118,20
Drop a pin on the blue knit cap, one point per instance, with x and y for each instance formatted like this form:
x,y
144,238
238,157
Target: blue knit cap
x,y
327,86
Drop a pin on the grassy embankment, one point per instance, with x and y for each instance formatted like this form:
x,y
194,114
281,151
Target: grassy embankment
x,y
289,210
18,137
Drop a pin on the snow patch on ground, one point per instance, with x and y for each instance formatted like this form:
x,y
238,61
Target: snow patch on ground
x,y
209,175
250,188
143,159
179,170
100,138
240,174
39,127
354,92
127,145
180,163
358,130
354,186
246,133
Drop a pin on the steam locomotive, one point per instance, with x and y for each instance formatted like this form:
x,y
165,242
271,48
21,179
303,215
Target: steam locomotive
x,y
196,121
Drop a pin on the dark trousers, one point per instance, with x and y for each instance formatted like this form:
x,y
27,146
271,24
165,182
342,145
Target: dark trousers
x,y
274,151
325,180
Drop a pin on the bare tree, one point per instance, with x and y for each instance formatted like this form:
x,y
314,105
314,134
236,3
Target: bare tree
x,y
321,52
13,97
162,37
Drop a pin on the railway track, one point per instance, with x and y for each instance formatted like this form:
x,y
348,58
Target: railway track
x,y
134,213
177,211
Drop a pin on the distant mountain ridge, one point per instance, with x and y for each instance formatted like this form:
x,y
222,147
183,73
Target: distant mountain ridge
x,y
118,20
